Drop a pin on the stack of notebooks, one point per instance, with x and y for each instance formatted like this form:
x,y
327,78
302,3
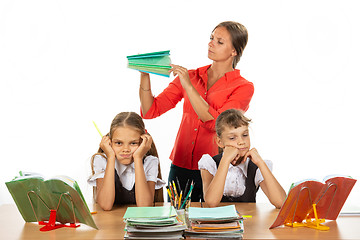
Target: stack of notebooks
x,y
220,222
155,62
153,223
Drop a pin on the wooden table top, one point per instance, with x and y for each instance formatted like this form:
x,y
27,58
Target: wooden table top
x,y
111,225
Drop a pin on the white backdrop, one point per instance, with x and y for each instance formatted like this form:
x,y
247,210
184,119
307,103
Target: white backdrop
x,y
63,65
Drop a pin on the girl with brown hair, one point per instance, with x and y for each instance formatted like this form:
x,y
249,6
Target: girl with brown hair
x,y
126,167
236,174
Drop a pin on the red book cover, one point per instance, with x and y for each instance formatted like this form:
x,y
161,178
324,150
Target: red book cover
x,y
329,198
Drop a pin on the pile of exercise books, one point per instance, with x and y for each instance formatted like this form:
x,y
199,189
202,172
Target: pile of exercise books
x,y
153,223
220,222
155,62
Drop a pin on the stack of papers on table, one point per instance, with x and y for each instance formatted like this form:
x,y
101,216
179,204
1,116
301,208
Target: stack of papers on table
x,y
155,62
220,222
153,223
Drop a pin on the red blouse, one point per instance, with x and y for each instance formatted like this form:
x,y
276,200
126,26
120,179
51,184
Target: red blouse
x,y
196,137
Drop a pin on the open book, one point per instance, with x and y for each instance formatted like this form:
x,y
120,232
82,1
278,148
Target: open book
x,y
329,198
35,197
155,62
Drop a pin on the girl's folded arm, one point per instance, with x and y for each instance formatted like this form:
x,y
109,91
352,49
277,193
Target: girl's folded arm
x,y
105,191
271,187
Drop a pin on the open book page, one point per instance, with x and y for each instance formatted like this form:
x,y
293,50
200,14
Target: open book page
x,y
334,176
71,182
26,175
332,196
298,203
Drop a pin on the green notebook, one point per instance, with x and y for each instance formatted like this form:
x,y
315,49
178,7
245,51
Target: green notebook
x,y
217,213
153,70
34,196
150,212
156,62
152,54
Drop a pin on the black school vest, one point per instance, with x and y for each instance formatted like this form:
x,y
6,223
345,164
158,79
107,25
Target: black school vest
x,y
122,195
250,187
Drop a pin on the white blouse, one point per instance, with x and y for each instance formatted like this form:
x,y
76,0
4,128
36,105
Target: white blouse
x,y
236,176
126,173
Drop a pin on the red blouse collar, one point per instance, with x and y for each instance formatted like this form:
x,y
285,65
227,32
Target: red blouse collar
x,y
202,71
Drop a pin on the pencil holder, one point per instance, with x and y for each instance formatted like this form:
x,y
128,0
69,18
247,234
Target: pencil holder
x,y
183,215
177,198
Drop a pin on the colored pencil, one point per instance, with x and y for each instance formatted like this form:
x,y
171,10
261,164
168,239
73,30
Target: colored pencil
x,y
180,199
188,194
173,182
168,191
97,129
186,188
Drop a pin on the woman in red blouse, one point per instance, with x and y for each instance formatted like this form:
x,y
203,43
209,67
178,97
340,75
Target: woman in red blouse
x,y
207,91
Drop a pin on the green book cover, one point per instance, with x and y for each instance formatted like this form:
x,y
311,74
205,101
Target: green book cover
x,y
155,70
156,63
35,195
152,54
150,212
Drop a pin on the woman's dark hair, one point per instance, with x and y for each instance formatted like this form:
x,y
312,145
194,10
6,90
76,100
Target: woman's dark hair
x,y
239,37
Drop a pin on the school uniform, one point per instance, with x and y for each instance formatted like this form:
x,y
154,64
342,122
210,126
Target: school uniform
x,y
125,177
242,181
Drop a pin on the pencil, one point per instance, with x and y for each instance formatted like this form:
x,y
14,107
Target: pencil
x,y
187,196
172,195
175,188
189,201
186,187
168,191
180,199
178,184
172,191
97,129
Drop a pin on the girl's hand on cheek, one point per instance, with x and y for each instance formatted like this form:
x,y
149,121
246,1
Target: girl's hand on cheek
x,y
105,145
144,147
254,156
231,153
